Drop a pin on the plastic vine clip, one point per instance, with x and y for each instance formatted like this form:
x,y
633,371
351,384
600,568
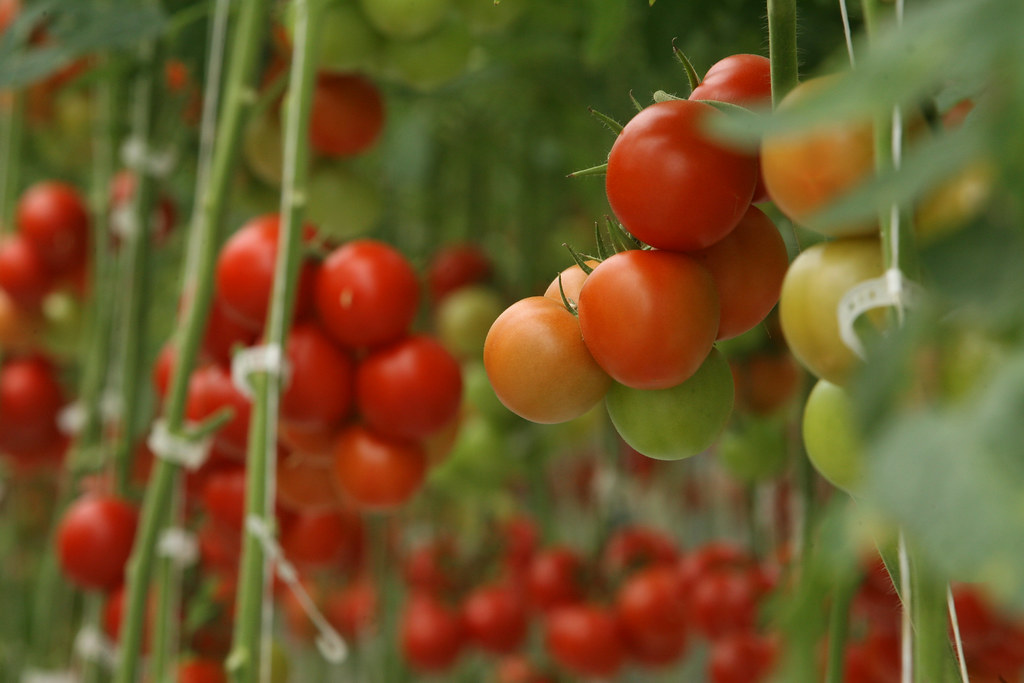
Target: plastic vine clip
x,y
268,358
179,545
179,449
137,155
891,290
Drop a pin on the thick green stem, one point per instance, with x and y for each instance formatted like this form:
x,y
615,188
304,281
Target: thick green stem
x,y
245,661
10,143
838,630
782,47
198,289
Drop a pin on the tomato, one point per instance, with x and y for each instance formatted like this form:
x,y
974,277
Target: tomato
x,y
674,423
649,318
94,539
554,578
635,547
211,389
806,170
432,635
201,671
224,334
756,450
429,566
832,436
572,279
766,382
455,266
409,389
433,60
584,639
347,116
405,19
245,272
377,472
163,367
304,484
742,658
342,204
671,185
748,266
30,399
954,202
352,610
319,381
263,147
808,305
315,441
122,190
348,42
463,318
9,10
723,602
516,668
331,538
367,294
495,617
54,218
650,607
24,276
20,328
223,496
538,364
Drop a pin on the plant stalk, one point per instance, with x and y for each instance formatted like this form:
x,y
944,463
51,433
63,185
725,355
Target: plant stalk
x,y
782,47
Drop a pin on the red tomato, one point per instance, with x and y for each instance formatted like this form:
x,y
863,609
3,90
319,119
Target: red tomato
x,y
319,387
201,671
495,618
315,441
163,367
555,578
432,635
455,266
53,217
304,484
743,657
429,567
650,607
245,272
225,333
30,399
636,547
367,294
671,185
23,273
318,539
9,9
210,389
94,540
584,639
224,496
347,116
649,317
409,389
377,472
352,610
724,602
748,266
539,366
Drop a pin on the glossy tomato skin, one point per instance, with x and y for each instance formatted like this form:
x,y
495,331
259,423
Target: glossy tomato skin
x,y
409,389
320,378
94,540
649,318
377,472
24,276
806,170
54,218
650,607
538,364
808,304
367,294
584,639
348,115
432,635
833,437
741,79
671,185
748,266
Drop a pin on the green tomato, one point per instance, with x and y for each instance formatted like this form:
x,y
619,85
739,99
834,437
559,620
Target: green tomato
x,y
433,60
64,320
348,41
678,422
341,203
478,397
832,436
403,19
755,451
262,148
479,460
464,317
488,16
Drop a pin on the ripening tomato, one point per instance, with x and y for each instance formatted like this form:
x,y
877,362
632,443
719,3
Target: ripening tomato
x,y
315,441
538,364
495,617
377,472
832,436
404,19
210,389
748,266
454,266
555,578
30,399
463,318
409,389
94,539
649,318
197,670
432,635
809,303
319,386
584,639
743,657
305,484
326,538
223,496
650,607
245,272
671,185
806,170
54,218
24,276
347,114
367,294
678,422
634,547
569,282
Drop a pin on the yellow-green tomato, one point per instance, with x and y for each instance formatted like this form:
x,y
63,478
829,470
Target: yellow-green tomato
x,y
814,285
348,42
755,450
404,19
832,437
342,203
434,60
463,318
678,422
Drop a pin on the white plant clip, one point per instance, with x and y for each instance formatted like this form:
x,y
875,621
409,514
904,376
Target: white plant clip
x,y
136,155
330,643
180,545
111,407
268,358
179,449
893,289
122,222
92,645
71,419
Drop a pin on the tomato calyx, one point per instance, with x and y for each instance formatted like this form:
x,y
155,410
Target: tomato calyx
x,y
691,73
610,123
600,169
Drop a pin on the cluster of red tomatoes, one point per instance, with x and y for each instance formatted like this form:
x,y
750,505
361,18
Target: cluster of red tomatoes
x,y
699,264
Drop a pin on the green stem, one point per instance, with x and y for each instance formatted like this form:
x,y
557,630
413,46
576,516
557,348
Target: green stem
x,y
10,143
838,630
259,501
167,598
198,290
782,47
